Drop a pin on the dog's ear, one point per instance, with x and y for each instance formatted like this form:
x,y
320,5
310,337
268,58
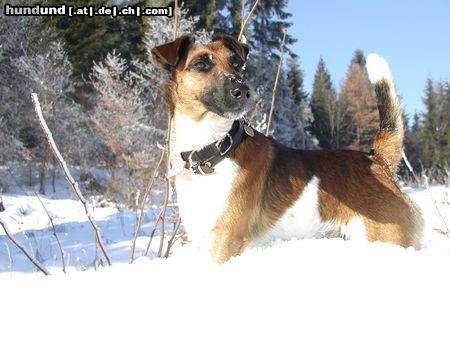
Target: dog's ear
x,y
241,49
169,55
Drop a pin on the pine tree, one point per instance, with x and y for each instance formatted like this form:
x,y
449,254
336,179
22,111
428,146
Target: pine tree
x,y
295,81
412,143
359,58
333,129
209,14
269,22
436,125
429,146
288,126
356,100
235,15
292,114
89,39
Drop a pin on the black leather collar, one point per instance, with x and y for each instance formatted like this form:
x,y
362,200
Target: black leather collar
x,y
203,161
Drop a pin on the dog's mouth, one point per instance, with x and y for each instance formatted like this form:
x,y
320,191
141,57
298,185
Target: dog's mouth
x,y
230,101
227,112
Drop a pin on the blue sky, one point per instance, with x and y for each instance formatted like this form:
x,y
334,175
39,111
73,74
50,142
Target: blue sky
x,y
414,37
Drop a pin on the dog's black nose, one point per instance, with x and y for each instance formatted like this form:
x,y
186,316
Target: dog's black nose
x,y
240,91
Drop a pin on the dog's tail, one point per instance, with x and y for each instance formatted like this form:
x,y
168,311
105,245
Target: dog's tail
x,y
389,140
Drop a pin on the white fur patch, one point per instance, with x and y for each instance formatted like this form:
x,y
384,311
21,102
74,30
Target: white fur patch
x,y
190,134
354,229
201,199
302,219
377,68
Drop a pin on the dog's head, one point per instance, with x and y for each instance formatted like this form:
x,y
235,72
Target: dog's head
x,y
207,78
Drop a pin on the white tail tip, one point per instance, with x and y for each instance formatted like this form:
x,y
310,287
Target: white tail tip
x,y
377,68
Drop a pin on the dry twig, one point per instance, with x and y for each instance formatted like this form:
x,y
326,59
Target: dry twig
x,y
166,186
175,19
165,154
244,23
61,251
167,147
409,166
148,188
62,163
242,12
155,225
171,241
21,248
274,90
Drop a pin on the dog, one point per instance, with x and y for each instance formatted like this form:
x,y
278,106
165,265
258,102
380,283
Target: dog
x,y
236,187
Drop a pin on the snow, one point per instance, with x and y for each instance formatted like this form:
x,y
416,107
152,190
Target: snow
x,y
312,288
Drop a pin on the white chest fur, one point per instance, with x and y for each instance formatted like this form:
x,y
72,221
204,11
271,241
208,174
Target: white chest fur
x,y
201,199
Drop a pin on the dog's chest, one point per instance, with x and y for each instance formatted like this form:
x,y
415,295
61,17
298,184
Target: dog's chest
x,y
202,199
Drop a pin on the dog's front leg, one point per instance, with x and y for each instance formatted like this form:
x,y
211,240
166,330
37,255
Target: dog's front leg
x,y
226,242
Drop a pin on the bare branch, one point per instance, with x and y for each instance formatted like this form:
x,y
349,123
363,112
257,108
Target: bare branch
x,y
167,147
148,188
244,23
274,90
409,166
171,241
61,251
162,214
21,248
62,163
155,225
242,12
175,19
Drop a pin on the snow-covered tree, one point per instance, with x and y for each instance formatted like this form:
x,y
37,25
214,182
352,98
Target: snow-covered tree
x,y
48,74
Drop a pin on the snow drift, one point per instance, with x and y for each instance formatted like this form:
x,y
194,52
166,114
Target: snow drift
x,y
309,288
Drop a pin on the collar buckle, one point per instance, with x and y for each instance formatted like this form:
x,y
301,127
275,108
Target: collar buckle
x,y
220,142
198,168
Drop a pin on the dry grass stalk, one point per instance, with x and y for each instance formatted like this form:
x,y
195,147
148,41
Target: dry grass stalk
x,y
444,222
62,163
21,248
274,90
61,251
244,23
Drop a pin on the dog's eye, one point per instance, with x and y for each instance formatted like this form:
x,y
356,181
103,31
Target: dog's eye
x,y
200,65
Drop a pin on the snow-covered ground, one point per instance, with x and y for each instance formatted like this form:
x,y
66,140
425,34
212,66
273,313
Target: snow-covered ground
x,y
311,288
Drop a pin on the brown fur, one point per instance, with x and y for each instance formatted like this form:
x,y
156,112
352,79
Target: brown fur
x,y
272,176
